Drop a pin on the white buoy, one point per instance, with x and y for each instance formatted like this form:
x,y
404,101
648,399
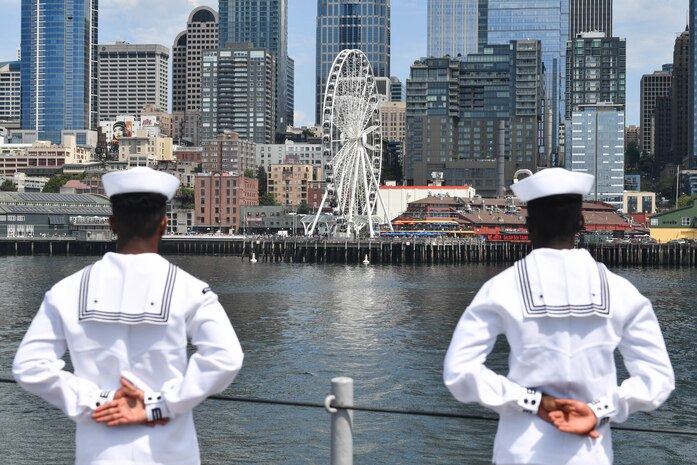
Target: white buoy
x,y
366,261
253,259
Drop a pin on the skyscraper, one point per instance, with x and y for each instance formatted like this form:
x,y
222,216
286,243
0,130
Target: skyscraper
x,y
238,85
10,94
653,86
595,70
359,24
544,20
477,119
680,108
692,97
290,95
590,16
598,149
264,24
131,75
59,66
201,34
453,27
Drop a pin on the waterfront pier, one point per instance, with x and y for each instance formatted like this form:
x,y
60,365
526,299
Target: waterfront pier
x,y
407,251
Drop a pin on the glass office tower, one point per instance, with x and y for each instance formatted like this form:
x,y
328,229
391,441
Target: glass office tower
x,y
264,24
59,66
544,20
692,101
360,24
453,27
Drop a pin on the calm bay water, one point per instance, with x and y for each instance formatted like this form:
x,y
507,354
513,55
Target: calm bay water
x,y
300,325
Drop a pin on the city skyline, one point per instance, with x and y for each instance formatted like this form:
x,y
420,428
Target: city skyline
x,y
649,27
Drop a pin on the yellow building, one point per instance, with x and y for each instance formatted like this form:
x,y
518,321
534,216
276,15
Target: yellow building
x,y
676,224
288,183
145,150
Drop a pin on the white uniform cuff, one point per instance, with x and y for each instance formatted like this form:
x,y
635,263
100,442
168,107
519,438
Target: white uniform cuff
x,y
604,410
530,402
155,406
102,398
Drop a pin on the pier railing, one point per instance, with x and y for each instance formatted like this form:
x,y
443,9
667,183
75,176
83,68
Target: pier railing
x,y
340,405
394,251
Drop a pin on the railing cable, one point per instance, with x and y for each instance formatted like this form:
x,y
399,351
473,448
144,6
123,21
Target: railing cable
x,y
397,411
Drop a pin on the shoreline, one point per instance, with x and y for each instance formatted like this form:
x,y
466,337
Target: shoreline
x,y
394,251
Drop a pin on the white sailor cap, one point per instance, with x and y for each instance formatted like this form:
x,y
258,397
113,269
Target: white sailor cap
x,y
140,179
553,181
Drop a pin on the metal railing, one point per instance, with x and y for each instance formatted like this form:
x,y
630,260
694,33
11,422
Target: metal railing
x,y
339,404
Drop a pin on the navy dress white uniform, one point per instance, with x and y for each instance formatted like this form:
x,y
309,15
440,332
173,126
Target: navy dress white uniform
x,y
130,315
563,315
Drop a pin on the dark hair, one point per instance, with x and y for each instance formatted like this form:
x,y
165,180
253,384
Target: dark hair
x,y
554,217
138,215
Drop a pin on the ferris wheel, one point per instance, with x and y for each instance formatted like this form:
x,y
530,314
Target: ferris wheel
x,y
352,147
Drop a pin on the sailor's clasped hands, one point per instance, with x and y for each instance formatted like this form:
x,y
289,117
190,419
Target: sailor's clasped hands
x,y
569,416
127,408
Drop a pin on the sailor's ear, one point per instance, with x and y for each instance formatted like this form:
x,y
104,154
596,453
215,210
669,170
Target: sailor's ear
x,y
112,224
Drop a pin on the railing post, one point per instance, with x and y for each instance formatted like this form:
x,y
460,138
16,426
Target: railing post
x,y
342,421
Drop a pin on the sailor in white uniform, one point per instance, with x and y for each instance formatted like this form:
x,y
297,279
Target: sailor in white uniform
x,y
126,321
563,315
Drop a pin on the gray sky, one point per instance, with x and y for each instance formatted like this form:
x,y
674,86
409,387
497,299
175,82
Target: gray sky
x,y
650,27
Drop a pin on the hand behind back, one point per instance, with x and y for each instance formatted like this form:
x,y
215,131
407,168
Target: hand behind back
x,y
127,408
569,416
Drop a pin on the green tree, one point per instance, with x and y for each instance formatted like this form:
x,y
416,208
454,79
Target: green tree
x,y
632,156
261,177
303,208
186,196
249,173
268,200
8,186
686,200
54,183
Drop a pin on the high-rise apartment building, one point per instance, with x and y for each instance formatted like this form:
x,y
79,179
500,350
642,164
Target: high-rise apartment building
x,y
201,34
632,135
544,20
59,66
397,90
131,75
653,86
264,24
228,153
290,104
680,108
598,149
359,24
393,116
238,85
10,94
662,121
453,27
595,70
289,183
590,16
478,119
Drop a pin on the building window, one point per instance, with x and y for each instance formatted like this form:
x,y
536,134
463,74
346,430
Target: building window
x,y
686,221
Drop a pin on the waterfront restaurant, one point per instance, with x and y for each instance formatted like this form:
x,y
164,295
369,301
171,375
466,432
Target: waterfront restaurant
x,y
500,219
